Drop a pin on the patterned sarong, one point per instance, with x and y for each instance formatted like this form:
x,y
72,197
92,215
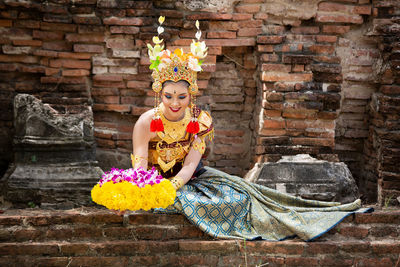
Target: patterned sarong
x,y
227,206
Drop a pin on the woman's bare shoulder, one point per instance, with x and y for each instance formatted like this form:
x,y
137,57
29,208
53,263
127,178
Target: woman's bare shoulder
x,y
145,119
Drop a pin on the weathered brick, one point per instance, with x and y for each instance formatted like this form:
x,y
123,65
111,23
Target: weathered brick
x,y
362,10
84,38
108,77
8,67
335,261
91,29
301,261
123,70
298,113
16,50
122,44
123,21
18,58
328,17
241,16
91,20
209,16
46,26
47,35
57,46
287,77
27,42
105,61
74,249
276,67
248,8
5,23
265,48
274,124
139,84
88,48
32,69
28,249
30,24
75,73
322,49
70,63
228,132
74,55
376,262
109,84
305,30
51,71
269,57
248,32
112,107
221,34
231,42
250,24
126,54
277,39
334,29
332,7
326,38
67,80
221,26
124,29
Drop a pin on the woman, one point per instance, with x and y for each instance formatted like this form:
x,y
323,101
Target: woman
x,y
172,137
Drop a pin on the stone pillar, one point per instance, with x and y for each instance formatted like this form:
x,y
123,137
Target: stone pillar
x,y
54,156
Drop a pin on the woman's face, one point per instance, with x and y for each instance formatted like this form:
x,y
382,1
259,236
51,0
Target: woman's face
x,y
175,97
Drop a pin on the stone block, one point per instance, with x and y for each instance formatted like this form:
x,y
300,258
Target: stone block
x,y
54,156
306,177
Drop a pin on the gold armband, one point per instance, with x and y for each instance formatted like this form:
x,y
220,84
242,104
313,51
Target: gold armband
x,y
136,159
201,147
177,182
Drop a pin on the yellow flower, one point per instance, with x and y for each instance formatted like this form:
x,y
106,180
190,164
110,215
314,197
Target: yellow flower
x,y
127,196
161,19
157,40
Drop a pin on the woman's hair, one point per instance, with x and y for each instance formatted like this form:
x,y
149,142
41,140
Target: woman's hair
x,y
180,81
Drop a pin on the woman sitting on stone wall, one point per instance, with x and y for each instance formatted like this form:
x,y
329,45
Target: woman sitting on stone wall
x,y
172,137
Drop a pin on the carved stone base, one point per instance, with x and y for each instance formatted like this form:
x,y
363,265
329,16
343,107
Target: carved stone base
x,y
304,176
54,156
60,186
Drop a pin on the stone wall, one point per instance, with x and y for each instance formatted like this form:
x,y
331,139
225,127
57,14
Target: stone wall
x,y
281,78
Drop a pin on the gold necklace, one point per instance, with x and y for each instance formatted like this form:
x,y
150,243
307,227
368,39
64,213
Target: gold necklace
x,y
173,130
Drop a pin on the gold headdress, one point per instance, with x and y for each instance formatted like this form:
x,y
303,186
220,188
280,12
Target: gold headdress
x,y
175,66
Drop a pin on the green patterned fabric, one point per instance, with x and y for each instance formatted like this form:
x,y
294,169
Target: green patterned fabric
x,y
227,206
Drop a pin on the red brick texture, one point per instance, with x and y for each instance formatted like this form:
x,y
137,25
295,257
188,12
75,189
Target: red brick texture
x,y
91,236
288,86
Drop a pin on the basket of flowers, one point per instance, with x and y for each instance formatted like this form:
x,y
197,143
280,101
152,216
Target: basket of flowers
x,y
133,189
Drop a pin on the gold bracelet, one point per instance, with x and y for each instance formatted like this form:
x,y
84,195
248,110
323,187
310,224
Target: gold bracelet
x,y
136,159
177,182
201,147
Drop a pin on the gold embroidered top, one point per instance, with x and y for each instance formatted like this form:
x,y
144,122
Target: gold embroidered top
x,y
168,149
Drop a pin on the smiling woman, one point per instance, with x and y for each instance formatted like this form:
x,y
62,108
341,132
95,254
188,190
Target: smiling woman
x,y
171,137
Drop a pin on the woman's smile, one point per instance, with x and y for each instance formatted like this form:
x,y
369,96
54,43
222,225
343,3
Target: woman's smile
x,y
174,109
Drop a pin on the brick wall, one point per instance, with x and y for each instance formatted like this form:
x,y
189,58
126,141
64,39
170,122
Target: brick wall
x,y
282,77
382,151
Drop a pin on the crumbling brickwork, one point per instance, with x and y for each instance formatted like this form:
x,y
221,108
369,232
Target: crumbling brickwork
x,y
281,78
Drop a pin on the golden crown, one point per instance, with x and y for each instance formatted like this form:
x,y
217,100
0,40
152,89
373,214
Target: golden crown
x,y
178,65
